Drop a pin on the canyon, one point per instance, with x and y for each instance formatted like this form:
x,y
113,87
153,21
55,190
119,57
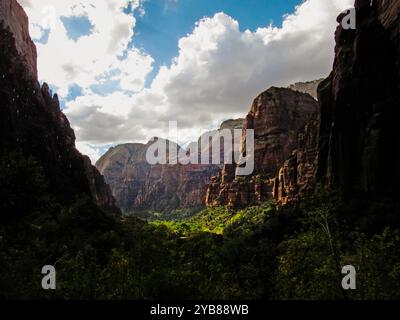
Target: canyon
x,y
339,132
323,193
276,116
139,186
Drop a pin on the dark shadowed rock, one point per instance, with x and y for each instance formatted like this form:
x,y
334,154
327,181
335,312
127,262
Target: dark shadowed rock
x,y
359,146
32,122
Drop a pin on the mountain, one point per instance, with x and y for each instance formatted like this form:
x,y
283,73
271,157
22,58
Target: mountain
x,y
32,123
139,186
358,139
310,87
276,116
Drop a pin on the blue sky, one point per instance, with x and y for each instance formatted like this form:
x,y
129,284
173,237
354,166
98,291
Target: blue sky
x,y
112,66
165,21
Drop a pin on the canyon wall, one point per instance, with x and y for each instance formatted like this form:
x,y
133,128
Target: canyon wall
x,y
357,147
276,116
137,185
15,18
359,138
32,123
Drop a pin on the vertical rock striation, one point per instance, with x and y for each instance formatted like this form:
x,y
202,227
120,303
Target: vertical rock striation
x,y
276,116
359,144
15,18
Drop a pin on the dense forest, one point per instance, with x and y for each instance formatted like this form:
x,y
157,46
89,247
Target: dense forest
x,y
261,252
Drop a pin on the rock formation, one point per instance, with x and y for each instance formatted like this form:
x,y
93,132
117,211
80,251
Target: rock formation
x,y
310,87
357,132
276,116
32,122
359,146
137,185
297,175
15,18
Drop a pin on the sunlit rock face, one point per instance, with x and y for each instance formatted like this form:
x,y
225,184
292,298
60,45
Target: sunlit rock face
x,y
297,175
276,116
137,185
15,18
359,105
32,122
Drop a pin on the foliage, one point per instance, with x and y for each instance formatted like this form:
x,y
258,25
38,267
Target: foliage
x,y
260,252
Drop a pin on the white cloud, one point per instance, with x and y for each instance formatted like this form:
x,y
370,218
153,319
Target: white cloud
x,y
92,152
218,72
63,61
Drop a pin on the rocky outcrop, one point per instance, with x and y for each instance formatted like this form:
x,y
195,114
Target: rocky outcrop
x,y
137,185
310,87
15,18
297,175
358,138
359,146
276,116
170,187
125,170
32,122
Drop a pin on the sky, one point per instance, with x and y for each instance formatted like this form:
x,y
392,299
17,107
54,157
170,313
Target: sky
x,y
124,68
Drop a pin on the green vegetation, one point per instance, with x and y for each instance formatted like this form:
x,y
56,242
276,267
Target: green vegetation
x,y
173,215
261,252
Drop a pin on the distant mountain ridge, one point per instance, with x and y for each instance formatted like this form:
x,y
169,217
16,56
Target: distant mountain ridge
x,y
139,186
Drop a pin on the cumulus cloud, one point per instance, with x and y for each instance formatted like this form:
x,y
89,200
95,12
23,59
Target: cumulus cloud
x,y
216,75
63,61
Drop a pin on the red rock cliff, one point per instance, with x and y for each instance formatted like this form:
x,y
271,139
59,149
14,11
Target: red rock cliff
x,y
137,185
15,18
276,116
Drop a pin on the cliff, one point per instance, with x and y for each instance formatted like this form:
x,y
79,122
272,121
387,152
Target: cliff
x,y
359,144
15,18
357,140
137,185
32,122
276,116
310,87
297,176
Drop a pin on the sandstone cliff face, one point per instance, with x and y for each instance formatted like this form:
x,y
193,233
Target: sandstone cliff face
x,y
125,170
297,175
276,117
169,187
359,146
138,185
32,122
15,18
358,138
